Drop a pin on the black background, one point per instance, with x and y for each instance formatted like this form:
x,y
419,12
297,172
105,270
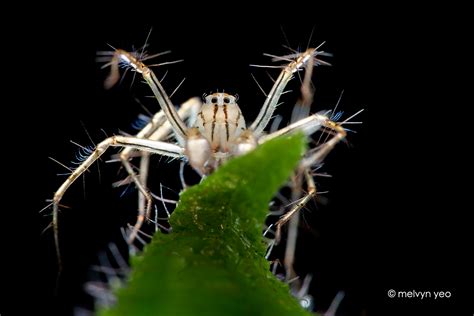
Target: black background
x,y
391,220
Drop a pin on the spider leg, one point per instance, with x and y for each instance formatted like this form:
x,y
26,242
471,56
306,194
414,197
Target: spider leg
x,y
300,120
321,152
198,148
298,206
308,126
315,158
157,130
162,148
293,219
125,58
303,105
307,58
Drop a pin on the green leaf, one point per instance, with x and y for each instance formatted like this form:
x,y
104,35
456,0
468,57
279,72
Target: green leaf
x,y
213,261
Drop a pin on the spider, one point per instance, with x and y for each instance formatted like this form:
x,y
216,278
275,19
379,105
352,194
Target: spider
x,y
215,131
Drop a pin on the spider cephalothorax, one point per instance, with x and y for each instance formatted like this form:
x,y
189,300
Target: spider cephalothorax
x,y
216,133
220,121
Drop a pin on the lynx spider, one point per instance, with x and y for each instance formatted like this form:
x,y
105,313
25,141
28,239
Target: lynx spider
x,y
216,131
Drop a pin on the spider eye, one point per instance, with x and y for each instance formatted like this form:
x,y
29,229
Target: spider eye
x,y
226,100
214,100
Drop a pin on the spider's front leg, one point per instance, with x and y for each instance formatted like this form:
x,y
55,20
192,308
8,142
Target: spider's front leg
x,y
198,148
162,148
122,57
305,59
